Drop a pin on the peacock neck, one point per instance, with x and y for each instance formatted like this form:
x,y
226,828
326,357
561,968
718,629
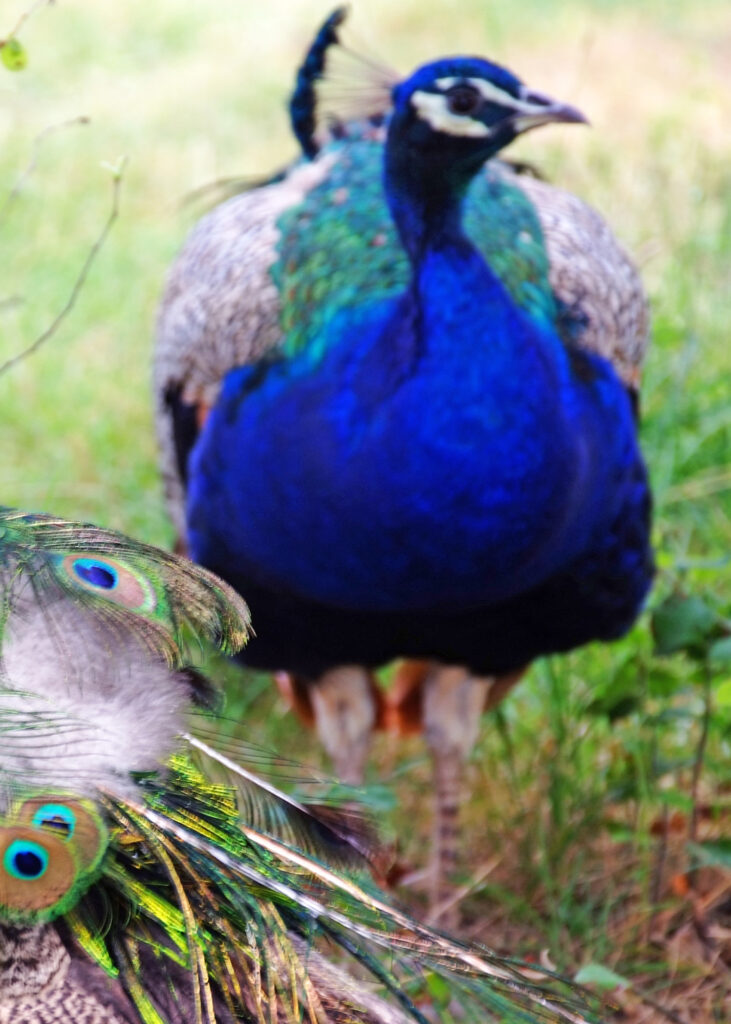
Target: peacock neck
x,y
456,294
425,200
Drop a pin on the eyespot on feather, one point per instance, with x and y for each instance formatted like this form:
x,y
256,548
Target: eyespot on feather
x,y
55,818
109,579
73,822
37,871
25,860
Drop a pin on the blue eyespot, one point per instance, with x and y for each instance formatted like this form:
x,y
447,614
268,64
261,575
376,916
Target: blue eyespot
x,y
25,860
96,574
56,818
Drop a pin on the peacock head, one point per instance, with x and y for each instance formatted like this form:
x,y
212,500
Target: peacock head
x,y
463,110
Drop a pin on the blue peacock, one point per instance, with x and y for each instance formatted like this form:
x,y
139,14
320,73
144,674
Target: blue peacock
x,y
397,405
145,877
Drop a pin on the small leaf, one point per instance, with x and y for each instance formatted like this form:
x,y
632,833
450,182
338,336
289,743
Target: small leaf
x,y
722,696
13,54
664,679
678,799
602,977
720,651
614,709
717,852
683,624
438,989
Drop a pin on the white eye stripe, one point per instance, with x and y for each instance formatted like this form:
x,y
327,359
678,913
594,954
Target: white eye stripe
x,y
432,107
490,92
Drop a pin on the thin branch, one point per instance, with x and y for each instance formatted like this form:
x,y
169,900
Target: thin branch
x,y
463,891
29,12
660,860
670,1015
79,282
33,162
700,752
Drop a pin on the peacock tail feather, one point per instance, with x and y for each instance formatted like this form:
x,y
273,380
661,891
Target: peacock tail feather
x,y
147,877
132,592
188,885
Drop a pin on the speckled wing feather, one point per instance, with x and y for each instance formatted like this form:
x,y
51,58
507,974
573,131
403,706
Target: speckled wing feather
x,y
221,307
43,983
265,273
592,276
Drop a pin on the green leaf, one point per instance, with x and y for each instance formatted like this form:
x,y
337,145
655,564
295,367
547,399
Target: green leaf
x,y
665,679
722,696
614,707
717,853
720,651
683,624
677,798
619,696
438,989
13,54
602,977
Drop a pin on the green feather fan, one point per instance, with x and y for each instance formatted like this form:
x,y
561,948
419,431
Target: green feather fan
x,y
133,887
133,591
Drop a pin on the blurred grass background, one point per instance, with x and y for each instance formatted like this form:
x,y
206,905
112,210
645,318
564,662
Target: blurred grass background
x,y
569,781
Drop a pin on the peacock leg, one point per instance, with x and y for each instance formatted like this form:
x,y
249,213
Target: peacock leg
x,y
453,702
345,707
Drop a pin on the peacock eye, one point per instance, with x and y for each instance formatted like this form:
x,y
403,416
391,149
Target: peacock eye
x,y
56,818
25,860
110,579
96,574
463,99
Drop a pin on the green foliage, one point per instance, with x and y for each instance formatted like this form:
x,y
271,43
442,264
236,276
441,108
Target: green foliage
x,y
717,853
683,623
602,977
13,55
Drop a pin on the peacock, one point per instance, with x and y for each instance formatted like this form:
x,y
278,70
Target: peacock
x,y
148,878
397,404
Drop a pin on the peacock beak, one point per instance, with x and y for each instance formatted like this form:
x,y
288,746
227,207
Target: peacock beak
x,y
536,109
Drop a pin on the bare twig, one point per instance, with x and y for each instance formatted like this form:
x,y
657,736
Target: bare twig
x,y
700,487
29,12
658,870
32,163
463,891
79,282
669,1014
700,752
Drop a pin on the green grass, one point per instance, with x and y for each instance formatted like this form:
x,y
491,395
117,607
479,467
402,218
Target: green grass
x,y
568,783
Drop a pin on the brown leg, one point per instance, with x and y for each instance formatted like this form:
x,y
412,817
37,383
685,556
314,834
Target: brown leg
x,y
453,703
345,706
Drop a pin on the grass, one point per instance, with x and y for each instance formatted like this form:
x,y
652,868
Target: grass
x,y
583,783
